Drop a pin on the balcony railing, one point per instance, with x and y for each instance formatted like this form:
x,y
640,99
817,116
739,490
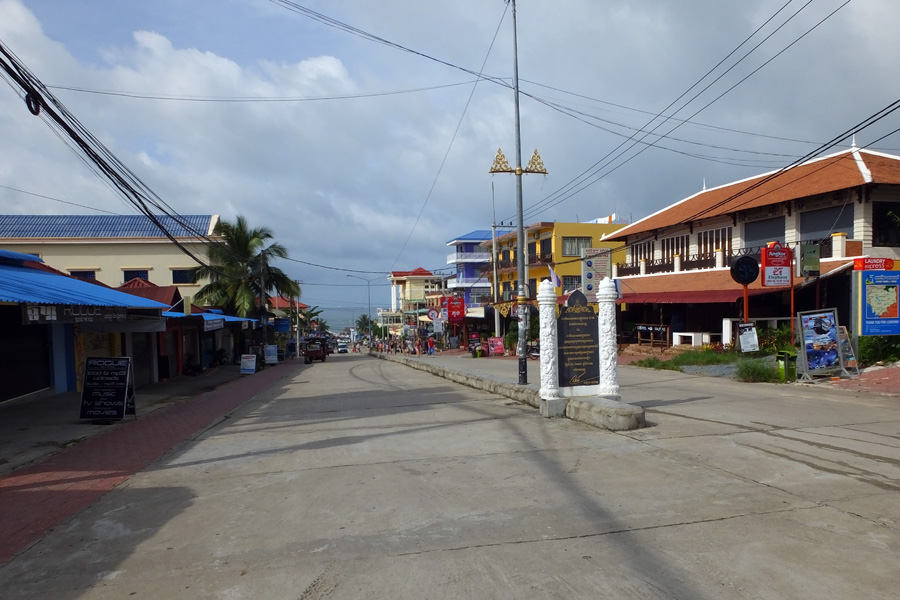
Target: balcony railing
x,y
462,257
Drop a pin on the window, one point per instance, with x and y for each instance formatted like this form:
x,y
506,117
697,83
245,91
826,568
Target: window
x,y
714,239
184,276
571,282
644,250
572,246
671,246
819,224
130,274
886,224
531,292
84,274
759,233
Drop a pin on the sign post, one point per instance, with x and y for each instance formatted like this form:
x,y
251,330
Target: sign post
x,y
745,270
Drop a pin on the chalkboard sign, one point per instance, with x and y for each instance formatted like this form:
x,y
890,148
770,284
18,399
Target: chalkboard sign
x,y
579,347
108,390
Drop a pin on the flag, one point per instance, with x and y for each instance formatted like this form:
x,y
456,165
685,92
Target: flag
x,y
554,278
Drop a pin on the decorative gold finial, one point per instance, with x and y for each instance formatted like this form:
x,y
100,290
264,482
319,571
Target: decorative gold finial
x,y
536,165
500,164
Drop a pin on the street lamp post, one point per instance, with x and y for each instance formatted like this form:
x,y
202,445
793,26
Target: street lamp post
x,y
535,165
368,301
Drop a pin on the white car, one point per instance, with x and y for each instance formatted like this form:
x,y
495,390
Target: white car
x,y
342,348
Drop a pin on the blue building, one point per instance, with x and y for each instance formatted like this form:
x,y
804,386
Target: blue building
x,y
470,261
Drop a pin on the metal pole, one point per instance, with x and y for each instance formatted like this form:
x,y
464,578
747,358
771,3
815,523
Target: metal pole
x,y
520,234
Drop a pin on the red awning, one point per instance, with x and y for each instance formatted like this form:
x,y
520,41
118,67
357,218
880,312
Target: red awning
x,y
695,297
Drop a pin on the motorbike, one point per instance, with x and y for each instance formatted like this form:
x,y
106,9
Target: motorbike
x,y
533,352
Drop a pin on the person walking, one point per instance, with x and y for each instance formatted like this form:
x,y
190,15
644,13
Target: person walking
x,y
431,346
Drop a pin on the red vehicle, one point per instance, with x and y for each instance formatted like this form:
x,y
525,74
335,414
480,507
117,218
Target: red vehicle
x,y
314,351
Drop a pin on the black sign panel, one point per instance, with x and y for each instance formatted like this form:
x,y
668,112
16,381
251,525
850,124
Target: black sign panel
x,y
579,348
108,390
744,270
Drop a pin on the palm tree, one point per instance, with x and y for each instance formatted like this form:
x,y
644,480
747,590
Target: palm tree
x,y
308,316
364,324
241,271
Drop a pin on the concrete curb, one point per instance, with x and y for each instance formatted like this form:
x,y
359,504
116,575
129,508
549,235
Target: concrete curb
x,y
597,412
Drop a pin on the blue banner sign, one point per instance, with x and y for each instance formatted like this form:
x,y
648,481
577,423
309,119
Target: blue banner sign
x,y
880,303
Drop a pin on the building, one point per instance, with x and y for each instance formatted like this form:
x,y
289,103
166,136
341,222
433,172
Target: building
x,y
677,267
559,246
51,323
114,249
409,297
469,260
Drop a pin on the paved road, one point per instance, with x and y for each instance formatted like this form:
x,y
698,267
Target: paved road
x,y
361,478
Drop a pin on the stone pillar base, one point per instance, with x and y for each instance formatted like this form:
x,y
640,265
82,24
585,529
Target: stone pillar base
x,y
553,407
606,413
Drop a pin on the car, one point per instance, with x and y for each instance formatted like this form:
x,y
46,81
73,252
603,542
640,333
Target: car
x,y
342,348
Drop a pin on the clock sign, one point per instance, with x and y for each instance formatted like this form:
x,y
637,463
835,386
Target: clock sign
x,y
744,270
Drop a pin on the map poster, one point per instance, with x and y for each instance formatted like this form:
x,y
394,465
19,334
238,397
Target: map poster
x,y
881,315
821,350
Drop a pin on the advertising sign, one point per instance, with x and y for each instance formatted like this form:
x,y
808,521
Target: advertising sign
x,y
748,338
595,267
821,350
875,264
809,263
282,325
248,364
881,315
496,346
271,354
456,310
776,265
108,389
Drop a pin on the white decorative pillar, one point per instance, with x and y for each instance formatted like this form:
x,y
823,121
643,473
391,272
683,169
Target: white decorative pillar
x,y
606,324
678,263
838,245
720,258
551,403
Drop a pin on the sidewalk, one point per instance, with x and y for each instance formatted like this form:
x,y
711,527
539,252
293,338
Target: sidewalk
x,y
96,458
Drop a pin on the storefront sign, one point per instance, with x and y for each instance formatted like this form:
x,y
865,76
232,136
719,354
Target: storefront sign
x,y
271,354
776,265
579,348
881,303
213,324
72,313
282,325
496,346
456,310
875,264
108,389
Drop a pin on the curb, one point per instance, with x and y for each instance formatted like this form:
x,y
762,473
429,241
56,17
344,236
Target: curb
x,y
599,412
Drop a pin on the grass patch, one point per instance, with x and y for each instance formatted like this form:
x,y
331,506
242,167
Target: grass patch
x,y
701,357
756,370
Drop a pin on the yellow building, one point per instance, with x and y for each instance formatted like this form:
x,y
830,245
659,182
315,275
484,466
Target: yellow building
x,y
560,246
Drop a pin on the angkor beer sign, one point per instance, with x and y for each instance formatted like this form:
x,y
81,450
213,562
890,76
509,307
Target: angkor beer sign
x,y
72,313
578,339
776,265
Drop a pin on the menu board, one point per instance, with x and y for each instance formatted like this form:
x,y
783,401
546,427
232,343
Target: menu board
x,y
108,389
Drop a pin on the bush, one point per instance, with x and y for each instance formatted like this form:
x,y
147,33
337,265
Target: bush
x,y
654,363
756,370
879,348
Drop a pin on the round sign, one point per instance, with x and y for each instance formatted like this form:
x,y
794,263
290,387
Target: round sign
x,y
744,270
433,314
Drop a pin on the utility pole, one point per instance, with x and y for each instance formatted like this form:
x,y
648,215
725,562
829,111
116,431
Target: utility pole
x,y
535,165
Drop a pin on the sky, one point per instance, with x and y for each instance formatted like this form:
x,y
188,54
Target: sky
x,y
361,134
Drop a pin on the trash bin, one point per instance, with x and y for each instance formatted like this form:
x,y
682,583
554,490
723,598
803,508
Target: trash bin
x,y
787,365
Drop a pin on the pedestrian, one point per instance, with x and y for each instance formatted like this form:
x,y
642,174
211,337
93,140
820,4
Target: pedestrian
x,y
418,347
431,346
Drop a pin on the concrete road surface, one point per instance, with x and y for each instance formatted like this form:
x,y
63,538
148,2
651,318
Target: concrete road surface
x,y
361,478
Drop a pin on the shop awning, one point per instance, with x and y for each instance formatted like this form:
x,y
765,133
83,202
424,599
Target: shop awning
x,y
25,285
707,286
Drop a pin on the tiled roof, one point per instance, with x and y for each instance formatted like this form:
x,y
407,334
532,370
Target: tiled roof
x,y
102,226
839,171
419,272
479,235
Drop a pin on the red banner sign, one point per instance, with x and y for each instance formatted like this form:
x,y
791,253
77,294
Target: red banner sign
x,y
873,264
776,265
456,310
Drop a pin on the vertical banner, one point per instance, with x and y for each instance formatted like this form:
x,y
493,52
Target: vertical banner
x,y
595,267
776,265
821,351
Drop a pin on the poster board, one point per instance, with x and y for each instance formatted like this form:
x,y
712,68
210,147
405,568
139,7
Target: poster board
x,y
847,353
748,338
271,354
108,390
820,352
248,364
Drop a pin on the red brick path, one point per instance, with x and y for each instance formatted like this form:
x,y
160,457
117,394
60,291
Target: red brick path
x,y
35,499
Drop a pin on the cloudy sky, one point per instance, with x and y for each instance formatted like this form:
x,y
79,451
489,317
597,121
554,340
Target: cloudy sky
x,y
361,134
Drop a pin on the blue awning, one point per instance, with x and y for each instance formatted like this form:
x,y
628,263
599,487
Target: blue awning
x,y
33,286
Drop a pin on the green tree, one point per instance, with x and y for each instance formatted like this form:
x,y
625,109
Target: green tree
x,y
364,324
307,317
241,270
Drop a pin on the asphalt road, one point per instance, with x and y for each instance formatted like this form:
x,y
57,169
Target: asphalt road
x,y
361,478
